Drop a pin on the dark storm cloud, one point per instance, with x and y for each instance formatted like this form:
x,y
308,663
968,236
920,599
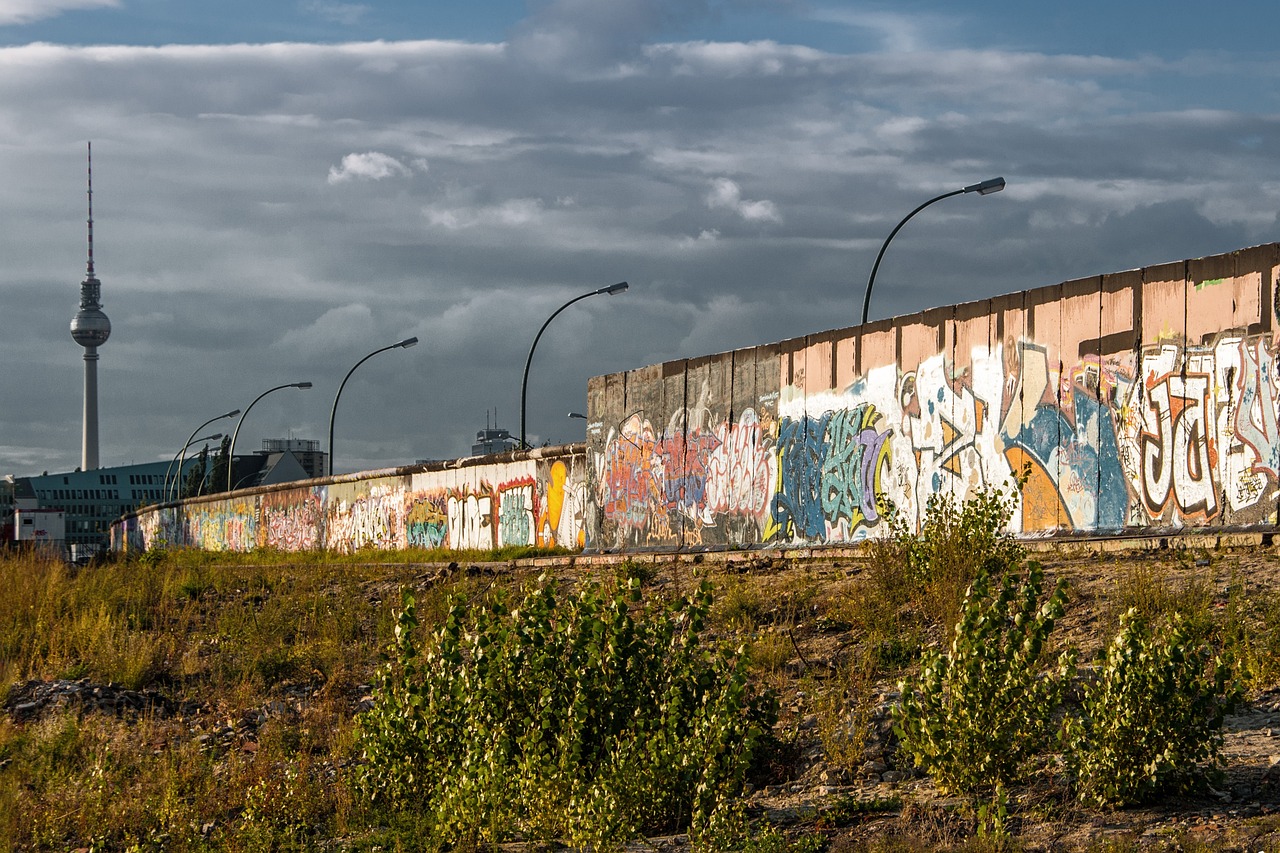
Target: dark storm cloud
x,y
272,213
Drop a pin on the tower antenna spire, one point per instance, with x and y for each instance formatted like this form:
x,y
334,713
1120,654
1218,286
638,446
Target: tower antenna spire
x,y
90,210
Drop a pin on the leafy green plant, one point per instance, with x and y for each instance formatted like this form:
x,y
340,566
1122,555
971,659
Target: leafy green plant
x,y
975,715
1152,719
564,716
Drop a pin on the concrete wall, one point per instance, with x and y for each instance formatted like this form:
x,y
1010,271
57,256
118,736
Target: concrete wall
x,y
1138,400
539,497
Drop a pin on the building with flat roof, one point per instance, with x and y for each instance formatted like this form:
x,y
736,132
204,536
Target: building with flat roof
x,y
94,499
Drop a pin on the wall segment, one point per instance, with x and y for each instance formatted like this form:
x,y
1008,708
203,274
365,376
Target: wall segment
x,y
536,498
1135,401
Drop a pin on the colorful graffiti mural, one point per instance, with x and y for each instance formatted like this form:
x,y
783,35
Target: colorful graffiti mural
x,y
1096,398
475,505
1146,400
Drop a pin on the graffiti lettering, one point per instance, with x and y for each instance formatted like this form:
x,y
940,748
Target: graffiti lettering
x,y
471,521
515,515
1176,449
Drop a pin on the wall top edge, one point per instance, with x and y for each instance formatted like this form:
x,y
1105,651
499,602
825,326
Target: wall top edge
x,y
931,315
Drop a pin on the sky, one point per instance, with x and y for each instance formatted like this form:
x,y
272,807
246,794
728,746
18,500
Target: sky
x,y
282,188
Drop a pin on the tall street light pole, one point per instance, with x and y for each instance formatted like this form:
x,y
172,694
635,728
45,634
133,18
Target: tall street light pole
x,y
405,344
231,451
524,384
174,461
992,185
183,452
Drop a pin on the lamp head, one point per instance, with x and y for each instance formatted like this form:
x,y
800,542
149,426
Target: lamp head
x,y
301,385
407,342
578,415
613,288
987,187
230,414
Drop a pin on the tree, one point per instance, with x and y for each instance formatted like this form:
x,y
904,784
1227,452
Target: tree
x,y
195,477
221,464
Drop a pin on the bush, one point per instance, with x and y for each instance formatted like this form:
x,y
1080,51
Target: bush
x,y
934,567
570,717
1152,719
974,716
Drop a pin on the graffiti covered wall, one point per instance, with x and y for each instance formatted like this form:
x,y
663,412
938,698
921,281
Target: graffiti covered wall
x,y
1142,400
1138,400
535,498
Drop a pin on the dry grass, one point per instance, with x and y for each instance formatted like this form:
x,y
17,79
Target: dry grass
x,y
271,652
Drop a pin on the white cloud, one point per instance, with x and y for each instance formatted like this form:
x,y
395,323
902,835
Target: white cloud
x,y
727,195
372,165
895,33
28,11
705,237
513,213
344,327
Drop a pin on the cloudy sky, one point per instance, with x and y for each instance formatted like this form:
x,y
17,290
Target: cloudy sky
x,y
281,188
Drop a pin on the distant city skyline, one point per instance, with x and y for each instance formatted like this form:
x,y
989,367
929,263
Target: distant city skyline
x,y
282,188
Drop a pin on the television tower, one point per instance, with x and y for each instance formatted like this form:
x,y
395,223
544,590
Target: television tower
x,y
90,328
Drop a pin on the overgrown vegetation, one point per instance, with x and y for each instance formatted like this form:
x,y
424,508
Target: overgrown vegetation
x,y
1151,720
974,717
566,716
266,662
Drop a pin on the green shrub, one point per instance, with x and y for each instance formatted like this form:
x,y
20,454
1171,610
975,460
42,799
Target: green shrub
x,y
565,717
975,715
934,566
1152,719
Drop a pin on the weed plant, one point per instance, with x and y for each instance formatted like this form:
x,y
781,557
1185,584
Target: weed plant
x,y
1151,721
564,716
931,569
976,715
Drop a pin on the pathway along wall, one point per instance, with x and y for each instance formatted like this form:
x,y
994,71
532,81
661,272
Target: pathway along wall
x,y
1137,400
533,498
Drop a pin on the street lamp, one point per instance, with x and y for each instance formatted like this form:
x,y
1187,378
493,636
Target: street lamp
x,y
991,185
231,451
524,384
405,344
182,454
169,470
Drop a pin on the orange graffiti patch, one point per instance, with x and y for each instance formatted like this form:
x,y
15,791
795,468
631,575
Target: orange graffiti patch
x,y
1042,506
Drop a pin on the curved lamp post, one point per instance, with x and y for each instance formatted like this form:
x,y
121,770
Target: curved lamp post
x,y
169,470
231,451
524,384
180,458
991,185
405,344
